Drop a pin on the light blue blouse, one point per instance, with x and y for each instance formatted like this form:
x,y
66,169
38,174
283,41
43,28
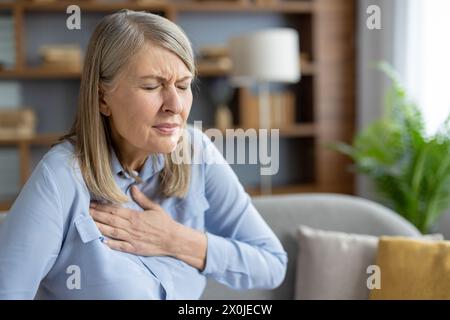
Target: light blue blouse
x,y
48,238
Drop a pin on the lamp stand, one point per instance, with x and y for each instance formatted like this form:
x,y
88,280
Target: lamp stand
x,y
264,123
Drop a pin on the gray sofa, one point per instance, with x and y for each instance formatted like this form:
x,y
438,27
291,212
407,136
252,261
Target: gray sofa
x,y
322,211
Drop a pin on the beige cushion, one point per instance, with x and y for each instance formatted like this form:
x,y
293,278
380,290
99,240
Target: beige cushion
x,y
333,265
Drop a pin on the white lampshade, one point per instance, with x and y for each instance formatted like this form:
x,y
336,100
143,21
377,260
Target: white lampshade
x,y
270,55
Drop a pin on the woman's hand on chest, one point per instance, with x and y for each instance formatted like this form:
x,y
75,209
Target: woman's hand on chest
x,y
151,232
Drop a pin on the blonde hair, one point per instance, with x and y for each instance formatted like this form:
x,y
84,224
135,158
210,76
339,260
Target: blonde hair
x,y
115,40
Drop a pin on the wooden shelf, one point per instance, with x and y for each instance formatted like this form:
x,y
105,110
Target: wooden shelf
x,y
6,6
37,140
299,130
56,73
94,6
303,188
307,130
305,7
40,73
294,188
208,70
24,145
294,7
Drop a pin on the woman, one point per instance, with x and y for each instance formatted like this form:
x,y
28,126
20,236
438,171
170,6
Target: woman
x,y
161,225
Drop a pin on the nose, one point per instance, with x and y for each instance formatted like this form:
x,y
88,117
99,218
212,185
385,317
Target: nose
x,y
171,101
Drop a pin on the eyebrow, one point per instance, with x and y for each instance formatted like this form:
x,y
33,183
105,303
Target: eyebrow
x,y
162,78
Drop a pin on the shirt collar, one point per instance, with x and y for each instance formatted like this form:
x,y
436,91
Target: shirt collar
x,y
153,164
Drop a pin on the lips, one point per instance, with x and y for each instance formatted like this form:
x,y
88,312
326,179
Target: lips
x,y
166,128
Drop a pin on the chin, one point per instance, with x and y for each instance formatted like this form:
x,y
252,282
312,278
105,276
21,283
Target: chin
x,y
166,148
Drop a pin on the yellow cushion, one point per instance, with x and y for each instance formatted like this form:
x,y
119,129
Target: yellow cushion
x,y
413,269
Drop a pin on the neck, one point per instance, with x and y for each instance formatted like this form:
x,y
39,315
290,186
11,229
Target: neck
x,y
130,157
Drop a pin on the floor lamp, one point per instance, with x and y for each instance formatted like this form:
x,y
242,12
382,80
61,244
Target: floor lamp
x,y
264,57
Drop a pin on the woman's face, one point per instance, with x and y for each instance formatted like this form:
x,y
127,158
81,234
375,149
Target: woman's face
x,y
149,102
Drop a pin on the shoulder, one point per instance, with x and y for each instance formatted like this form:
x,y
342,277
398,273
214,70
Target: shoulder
x,y
60,151
60,159
60,168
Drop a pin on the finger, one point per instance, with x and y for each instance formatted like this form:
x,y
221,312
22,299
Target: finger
x,y
120,245
141,199
109,219
112,232
123,213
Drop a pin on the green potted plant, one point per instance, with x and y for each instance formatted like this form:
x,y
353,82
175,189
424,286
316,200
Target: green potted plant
x,y
410,169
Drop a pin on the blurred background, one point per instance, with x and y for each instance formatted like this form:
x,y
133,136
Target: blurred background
x,y
339,92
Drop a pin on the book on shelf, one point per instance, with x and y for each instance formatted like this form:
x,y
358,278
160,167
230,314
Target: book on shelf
x,y
214,58
17,123
281,106
65,56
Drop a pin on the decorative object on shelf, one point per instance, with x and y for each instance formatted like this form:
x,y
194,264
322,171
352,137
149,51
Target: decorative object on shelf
x,y
7,43
220,93
282,109
214,59
261,57
410,170
305,58
17,123
67,56
223,117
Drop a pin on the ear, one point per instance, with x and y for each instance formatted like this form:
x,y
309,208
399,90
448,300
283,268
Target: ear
x,y
103,106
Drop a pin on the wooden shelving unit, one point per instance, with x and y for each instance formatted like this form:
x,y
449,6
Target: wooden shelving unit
x,y
302,188
306,130
37,140
51,73
325,94
178,6
24,146
39,73
247,7
91,6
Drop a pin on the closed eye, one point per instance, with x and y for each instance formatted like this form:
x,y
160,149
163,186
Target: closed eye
x,y
184,88
151,88
184,85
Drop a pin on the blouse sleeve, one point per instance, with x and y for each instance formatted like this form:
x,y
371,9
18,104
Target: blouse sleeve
x,y
243,252
30,236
